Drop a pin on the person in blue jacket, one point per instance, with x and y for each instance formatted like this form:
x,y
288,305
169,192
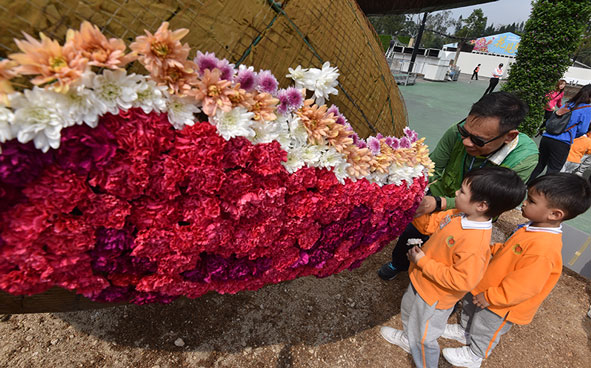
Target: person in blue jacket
x,y
554,148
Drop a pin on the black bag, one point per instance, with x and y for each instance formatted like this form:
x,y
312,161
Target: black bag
x,y
557,124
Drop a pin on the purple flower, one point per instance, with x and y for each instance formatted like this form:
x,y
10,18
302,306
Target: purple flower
x,y
206,61
361,143
341,120
395,143
267,82
374,145
379,136
227,69
355,138
405,142
247,78
22,163
283,107
294,98
334,110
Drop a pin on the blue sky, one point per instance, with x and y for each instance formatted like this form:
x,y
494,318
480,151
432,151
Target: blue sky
x,y
499,12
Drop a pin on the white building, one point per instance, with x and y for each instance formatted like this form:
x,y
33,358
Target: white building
x,y
488,51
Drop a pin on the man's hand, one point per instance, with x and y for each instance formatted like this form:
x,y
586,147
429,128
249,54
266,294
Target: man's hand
x,y
480,301
414,254
427,205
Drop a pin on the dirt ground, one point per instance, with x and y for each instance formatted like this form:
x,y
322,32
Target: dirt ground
x,y
309,322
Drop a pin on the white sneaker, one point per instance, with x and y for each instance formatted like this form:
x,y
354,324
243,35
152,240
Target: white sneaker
x,y
462,357
456,332
396,337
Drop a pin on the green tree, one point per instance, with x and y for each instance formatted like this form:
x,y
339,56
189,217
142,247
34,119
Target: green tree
x,y
473,26
583,53
388,24
552,35
435,28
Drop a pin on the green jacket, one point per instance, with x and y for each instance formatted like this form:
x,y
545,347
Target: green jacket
x,y
452,162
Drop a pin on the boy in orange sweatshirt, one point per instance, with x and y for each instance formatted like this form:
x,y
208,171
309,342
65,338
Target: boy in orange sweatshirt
x,y
453,260
522,271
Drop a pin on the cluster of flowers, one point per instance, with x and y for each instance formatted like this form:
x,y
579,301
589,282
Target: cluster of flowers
x,y
109,186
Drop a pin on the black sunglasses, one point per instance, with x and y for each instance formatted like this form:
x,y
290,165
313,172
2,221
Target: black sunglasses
x,y
475,139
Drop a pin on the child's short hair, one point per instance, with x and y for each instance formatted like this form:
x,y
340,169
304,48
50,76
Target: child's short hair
x,y
501,188
567,192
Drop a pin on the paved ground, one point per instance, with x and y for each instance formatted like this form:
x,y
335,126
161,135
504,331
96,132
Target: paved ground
x,y
435,106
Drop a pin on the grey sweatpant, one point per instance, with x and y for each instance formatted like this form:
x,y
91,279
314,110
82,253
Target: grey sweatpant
x,y
423,324
485,327
577,168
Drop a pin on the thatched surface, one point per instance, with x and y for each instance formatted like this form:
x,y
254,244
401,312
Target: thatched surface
x,y
265,34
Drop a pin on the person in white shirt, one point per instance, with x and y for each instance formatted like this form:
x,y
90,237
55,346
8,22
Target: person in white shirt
x,y
497,74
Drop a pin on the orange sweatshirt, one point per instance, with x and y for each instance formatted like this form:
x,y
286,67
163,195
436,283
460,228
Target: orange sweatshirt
x,y
581,146
522,273
456,256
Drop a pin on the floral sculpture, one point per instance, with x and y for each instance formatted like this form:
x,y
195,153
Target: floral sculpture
x,y
110,185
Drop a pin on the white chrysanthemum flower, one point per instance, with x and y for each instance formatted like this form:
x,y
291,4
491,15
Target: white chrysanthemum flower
x,y
267,132
38,117
82,104
325,81
294,160
340,171
312,154
180,111
6,127
378,178
298,75
115,90
150,96
234,123
331,157
397,174
298,133
283,136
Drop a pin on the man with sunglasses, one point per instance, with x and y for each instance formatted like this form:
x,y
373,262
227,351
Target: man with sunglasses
x,y
487,137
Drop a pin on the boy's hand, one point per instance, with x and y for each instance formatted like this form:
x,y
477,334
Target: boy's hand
x,y
480,301
414,254
427,205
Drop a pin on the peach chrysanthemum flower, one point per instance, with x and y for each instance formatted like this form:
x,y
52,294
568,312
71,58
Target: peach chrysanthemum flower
x,y
422,155
316,122
161,50
264,107
50,61
6,74
212,92
360,160
382,162
99,51
339,136
178,80
240,98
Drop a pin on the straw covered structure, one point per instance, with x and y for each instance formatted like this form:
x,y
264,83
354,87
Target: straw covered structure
x,y
267,34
